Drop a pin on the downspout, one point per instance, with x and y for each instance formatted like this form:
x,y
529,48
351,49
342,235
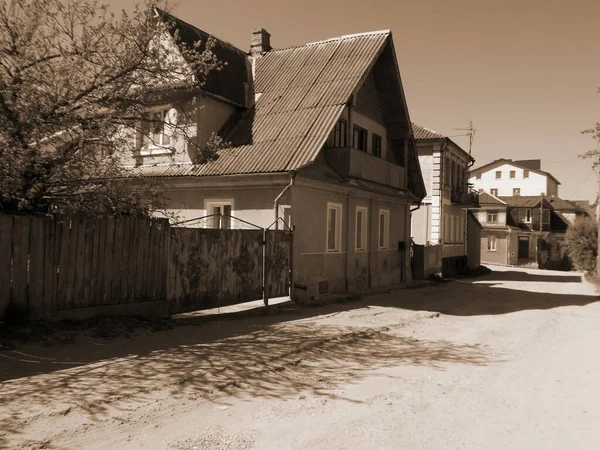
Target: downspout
x,y
292,174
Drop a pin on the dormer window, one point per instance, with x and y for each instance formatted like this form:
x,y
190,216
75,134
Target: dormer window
x,y
156,131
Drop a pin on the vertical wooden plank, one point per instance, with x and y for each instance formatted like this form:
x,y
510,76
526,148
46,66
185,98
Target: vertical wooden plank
x,y
52,244
139,266
164,259
131,257
118,265
150,257
79,267
6,239
20,250
63,228
36,268
85,289
109,261
99,262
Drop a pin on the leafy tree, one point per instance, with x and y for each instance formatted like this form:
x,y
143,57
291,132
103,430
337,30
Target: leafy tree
x,y
581,243
73,77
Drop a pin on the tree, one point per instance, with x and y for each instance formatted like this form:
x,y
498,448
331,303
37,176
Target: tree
x,y
581,243
73,77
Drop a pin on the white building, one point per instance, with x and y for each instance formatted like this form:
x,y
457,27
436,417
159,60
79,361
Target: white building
x,y
507,178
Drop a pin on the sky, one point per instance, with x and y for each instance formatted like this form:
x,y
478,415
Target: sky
x,y
525,72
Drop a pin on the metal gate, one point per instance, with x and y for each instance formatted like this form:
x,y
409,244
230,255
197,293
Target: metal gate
x,y
235,263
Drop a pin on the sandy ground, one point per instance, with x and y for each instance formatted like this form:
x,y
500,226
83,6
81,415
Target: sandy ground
x,y
510,360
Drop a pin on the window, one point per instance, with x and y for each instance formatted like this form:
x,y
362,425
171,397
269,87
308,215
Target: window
x,y
359,138
384,229
376,149
545,216
480,190
156,130
491,244
512,174
516,191
528,215
478,175
361,228
220,212
446,229
334,227
339,137
452,229
492,216
498,174
525,173
494,192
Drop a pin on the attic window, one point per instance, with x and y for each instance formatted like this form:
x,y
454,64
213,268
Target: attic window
x,y
525,173
156,131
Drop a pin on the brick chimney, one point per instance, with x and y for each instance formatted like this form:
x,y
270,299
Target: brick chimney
x,y
261,42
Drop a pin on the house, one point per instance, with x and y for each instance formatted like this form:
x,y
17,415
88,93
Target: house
x,y
505,178
321,142
513,226
442,216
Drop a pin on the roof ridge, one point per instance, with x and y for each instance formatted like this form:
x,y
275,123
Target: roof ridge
x,y
428,129
333,39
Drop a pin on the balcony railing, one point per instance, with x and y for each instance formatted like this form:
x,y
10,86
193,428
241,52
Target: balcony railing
x,y
353,163
469,198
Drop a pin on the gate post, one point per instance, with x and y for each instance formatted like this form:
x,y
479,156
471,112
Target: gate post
x,y
292,292
265,269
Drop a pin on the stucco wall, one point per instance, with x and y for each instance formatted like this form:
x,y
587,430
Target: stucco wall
x,y
499,256
535,184
473,243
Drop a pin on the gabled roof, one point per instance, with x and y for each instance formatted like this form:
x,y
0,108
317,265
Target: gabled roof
x,y
525,201
563,205
302,92
499,162
231,83
423,134
489,199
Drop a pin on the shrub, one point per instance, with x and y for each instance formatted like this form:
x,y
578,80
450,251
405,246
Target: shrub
x,y
581,244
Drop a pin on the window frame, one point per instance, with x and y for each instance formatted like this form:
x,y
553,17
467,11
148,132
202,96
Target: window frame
x,y
525,173
385,213
516,192
376,150
339,138
492,212
490,247
209,204
498,174
361,246
362,135
337,236
512,174
478,176
494,192
146,134
530,219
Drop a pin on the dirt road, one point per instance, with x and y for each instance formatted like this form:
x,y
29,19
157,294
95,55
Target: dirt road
x,y
510,360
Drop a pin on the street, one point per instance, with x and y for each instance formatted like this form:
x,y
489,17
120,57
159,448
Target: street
x,y
509,360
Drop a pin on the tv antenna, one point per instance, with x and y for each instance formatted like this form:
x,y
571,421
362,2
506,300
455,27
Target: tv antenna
x,y
470,132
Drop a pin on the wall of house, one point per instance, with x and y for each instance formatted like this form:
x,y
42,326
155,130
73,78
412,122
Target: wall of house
x,y
348,269
420,225
473,243
482,216
500,256
535,184
454,226
551,187
199,121
426,162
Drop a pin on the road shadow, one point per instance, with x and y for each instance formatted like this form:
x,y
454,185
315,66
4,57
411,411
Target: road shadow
x,y
524,276
278,360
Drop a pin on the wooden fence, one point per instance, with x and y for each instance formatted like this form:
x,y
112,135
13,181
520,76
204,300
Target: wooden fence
x,y
49,265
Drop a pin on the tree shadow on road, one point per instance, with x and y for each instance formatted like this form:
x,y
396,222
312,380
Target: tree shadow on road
x,y
511,275
276,361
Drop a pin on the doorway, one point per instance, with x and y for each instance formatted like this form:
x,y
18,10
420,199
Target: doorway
x,y
523,247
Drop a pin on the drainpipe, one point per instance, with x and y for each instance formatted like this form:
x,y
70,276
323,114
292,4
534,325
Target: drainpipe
x,y
292,173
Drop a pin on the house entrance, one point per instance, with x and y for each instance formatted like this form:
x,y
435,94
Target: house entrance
x,y
212,267
523,247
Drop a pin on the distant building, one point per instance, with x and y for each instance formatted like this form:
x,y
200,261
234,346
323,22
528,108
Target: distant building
x,y
506,178
442,216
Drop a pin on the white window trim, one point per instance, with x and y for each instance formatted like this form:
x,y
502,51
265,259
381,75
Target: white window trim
x,y
208,203
530,215
492,193
386,230
490,213
493,248
153,149
338,228
365,233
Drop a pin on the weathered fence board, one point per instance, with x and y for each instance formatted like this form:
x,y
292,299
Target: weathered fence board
x,y
210,268
50,265
278,253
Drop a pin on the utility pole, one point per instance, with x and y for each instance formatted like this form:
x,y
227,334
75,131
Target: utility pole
x,y
598,216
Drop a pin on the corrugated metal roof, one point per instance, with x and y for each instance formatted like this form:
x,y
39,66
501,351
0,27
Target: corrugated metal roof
x,y
422,133
524,201
303,93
